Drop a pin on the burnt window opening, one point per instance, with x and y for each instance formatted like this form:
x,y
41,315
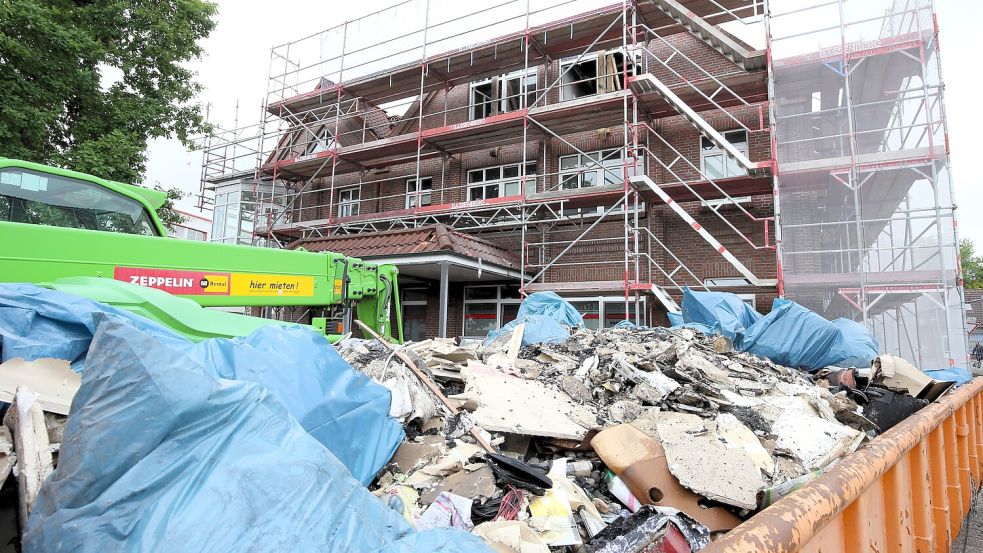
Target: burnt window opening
x,y
594,74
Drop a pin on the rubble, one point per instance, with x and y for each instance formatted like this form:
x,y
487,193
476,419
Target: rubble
x,y
611,440
622,420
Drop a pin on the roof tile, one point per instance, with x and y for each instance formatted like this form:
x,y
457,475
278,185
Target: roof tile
x,y
430,239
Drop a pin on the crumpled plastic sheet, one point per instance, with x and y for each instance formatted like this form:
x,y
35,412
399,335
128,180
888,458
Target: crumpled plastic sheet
x,y
548,319
162,455
959,375
724,313
789,335
341,407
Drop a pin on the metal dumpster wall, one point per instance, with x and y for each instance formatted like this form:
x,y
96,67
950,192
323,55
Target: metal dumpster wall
x,y
909,490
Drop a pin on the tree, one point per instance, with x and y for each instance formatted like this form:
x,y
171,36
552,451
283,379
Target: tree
x,y
56,57
972,264
166,213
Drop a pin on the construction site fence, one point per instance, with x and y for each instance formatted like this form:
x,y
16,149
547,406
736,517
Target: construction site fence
x,y
909,490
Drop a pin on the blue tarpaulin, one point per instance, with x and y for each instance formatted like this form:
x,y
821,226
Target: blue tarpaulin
x,y
160,454
789,335
959,375
723,313
547,316
341,407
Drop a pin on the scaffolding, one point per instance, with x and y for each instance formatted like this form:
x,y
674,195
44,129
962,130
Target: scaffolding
x,y
359,129
867,226
348,111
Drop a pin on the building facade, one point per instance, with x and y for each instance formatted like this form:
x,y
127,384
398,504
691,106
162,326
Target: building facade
x,y
614,154
194,227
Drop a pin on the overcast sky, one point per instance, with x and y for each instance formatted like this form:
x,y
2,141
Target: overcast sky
x,y
235,68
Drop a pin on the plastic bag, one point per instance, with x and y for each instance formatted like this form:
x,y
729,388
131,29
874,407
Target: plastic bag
x,y
161,455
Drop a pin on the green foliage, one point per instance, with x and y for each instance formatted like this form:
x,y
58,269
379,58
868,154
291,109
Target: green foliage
x,y
167,214
972,264
54,55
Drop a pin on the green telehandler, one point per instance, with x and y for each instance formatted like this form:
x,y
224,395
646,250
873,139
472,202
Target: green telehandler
x,y
102,240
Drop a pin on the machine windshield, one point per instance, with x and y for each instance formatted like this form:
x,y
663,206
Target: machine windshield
x,y
44,199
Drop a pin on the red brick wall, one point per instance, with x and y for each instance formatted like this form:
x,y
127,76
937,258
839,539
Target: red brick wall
x,y
600,256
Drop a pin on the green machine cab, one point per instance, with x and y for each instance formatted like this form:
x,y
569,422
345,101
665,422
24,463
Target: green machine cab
x,y
103,240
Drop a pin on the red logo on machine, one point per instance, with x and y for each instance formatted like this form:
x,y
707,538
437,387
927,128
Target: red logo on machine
x,y
182,283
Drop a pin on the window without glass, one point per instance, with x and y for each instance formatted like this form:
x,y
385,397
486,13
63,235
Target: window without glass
x,y
503,94
500,181
418,192
715,163
43,199
348,202
594,74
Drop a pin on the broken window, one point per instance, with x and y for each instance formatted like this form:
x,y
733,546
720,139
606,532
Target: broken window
x,y
348,202
503,94
715,163
418,192
483,97
593,74
500,181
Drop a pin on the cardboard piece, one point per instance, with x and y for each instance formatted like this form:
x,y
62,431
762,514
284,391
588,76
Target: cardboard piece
x,y
641,463
900,374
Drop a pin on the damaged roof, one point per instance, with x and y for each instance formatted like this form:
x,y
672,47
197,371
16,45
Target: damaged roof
x,y
429,239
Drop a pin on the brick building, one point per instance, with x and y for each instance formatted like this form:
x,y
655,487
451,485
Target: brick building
x,y
618,155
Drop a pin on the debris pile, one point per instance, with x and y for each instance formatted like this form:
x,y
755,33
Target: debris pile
x,y
670,423
544,438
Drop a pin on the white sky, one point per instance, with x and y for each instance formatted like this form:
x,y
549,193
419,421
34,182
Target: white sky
x,y
235,69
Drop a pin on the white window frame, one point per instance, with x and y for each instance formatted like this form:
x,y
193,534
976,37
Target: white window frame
x,y
720,202
225,211
600,301
585,167
416,195
730,168
498,300
324,140
348,200
502,182
473,105
525,78
749,299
